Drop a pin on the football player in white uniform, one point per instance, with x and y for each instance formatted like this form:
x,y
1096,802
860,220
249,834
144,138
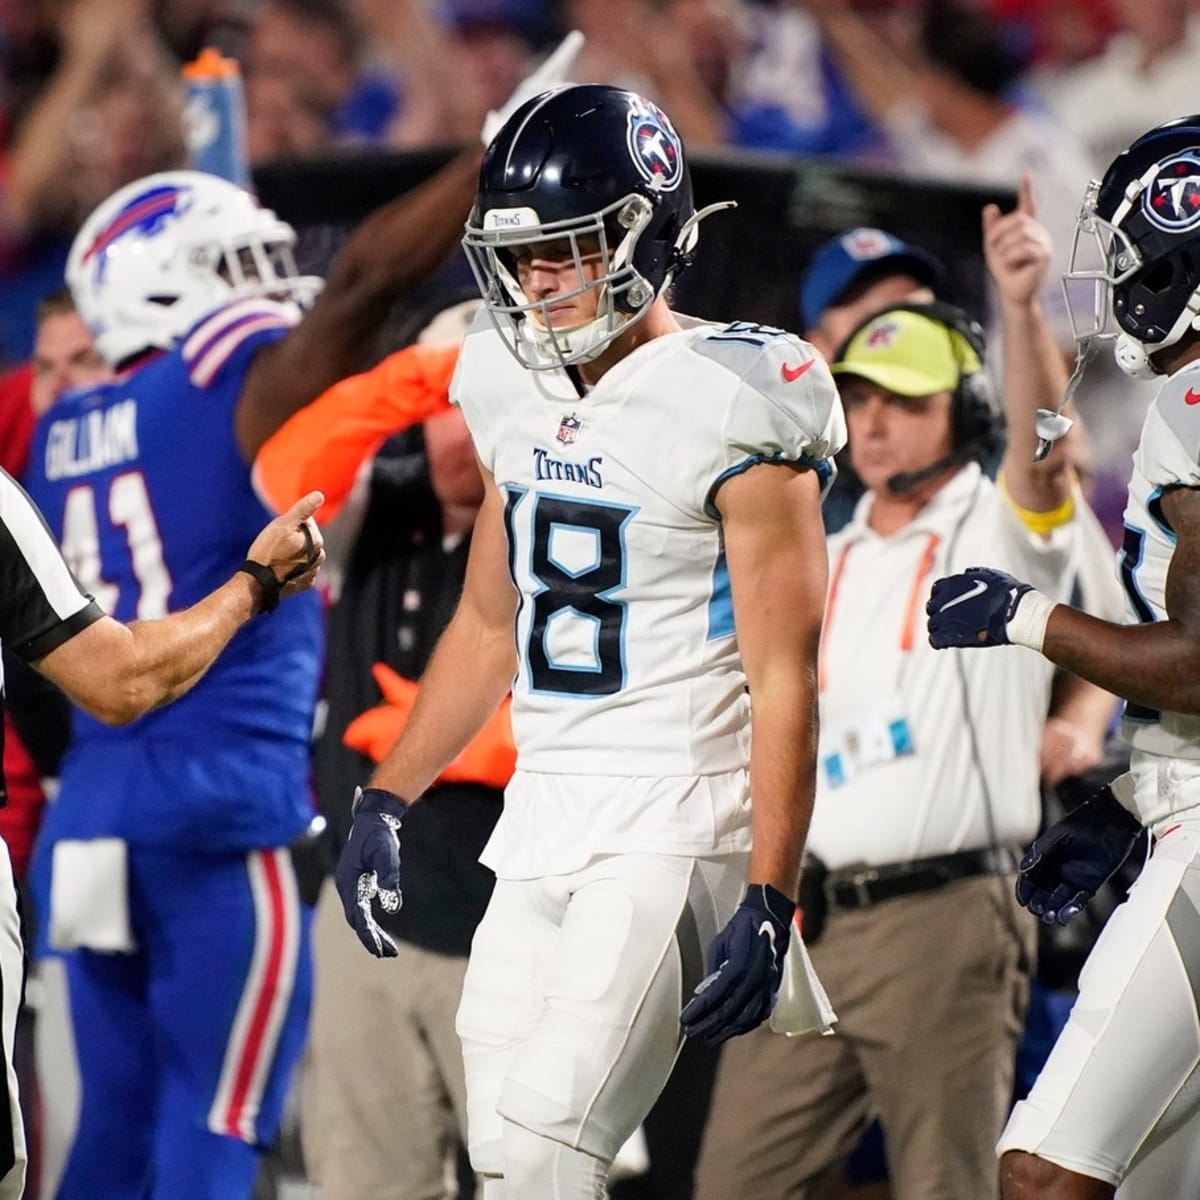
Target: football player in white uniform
x,y
647,574
1117,1098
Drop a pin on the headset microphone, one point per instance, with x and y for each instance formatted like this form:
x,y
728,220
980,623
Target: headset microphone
x,y
905,481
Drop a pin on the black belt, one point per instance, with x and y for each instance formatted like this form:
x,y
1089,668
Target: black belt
x,y
860,887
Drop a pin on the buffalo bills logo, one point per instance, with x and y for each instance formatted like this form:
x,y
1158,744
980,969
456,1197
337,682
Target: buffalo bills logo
x,y
1172,197
146,213
654,146
882,336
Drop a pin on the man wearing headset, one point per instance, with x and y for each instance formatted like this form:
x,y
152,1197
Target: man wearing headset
x,y
927,784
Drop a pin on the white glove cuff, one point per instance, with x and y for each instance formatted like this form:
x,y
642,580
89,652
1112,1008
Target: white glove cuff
x,y
1027,626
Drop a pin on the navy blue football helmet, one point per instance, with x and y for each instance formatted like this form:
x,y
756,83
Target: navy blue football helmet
x,y
579,169
1137,244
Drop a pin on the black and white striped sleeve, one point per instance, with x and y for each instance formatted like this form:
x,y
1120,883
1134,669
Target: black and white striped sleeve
x,y
41,604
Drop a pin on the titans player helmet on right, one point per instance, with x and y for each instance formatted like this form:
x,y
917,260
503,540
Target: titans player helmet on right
x,y
1137,247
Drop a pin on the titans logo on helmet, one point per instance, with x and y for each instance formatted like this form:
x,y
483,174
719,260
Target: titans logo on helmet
x,y
1172,197
654,147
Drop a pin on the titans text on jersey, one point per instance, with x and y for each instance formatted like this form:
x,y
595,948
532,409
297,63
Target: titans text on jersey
x,y
615,543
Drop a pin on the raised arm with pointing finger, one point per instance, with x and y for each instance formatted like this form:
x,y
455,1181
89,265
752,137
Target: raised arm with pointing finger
x,y
117,672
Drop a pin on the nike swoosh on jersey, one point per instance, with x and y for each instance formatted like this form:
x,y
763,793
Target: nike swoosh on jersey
x,y
977,589
1190,397
791,374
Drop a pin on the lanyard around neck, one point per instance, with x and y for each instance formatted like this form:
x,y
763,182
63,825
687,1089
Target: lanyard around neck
x,y
908,626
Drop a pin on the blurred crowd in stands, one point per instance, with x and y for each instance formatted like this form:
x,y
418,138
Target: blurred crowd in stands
x,y
971,91
978,92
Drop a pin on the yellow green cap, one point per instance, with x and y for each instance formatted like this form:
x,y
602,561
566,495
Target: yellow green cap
x,y
909,354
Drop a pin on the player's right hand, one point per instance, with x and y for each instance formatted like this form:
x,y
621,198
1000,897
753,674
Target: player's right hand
x,y
291,546
369,866
1068,864
973,608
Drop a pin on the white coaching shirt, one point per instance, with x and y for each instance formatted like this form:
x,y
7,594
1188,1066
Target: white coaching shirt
x,y
627,658
955,781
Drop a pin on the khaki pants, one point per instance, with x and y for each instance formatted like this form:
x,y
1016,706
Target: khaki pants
x,y
930,992
384,1102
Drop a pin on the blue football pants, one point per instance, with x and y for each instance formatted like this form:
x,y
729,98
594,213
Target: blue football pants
x,y
185,1047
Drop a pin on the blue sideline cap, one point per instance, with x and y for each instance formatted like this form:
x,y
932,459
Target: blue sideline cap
x,y
526,17
842,260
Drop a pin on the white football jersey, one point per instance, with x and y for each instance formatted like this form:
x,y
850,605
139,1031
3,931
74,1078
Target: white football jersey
x,y
628,661
1167,456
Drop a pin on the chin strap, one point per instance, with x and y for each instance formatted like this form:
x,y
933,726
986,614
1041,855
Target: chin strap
x,y
689,232
1051,425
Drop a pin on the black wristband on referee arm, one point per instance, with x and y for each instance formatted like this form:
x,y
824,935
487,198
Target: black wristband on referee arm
x,y
271,586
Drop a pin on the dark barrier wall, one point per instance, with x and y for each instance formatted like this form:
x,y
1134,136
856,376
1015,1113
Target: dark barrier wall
x,y
750,258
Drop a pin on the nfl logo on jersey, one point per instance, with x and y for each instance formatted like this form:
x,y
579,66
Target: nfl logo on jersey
x,y
568,429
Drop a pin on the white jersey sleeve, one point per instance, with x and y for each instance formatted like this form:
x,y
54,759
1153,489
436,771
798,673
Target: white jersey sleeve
x,y
1167,457
784,407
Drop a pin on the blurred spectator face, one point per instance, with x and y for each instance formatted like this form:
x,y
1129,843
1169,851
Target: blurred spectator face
x,y
1156,23
453,469
285,117
716,33
496,58
850,310
131,129
307,46
189,25
63,357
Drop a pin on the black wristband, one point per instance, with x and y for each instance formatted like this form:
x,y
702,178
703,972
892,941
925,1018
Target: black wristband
x,y
271,587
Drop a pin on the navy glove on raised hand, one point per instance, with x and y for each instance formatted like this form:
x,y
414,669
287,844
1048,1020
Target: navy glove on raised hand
x,y
745,964
369,866
1065,867
981,607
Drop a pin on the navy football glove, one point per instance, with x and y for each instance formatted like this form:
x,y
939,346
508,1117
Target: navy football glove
x,y
974,608
369,866
1066,866
745,964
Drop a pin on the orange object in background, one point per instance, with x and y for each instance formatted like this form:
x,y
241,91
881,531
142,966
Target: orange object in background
x,y
488,760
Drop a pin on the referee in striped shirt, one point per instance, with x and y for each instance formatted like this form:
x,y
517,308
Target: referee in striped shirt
x,y
115,672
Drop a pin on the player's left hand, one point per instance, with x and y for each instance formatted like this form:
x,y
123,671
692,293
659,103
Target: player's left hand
x,y
1068,864
745,964
369,866
974,608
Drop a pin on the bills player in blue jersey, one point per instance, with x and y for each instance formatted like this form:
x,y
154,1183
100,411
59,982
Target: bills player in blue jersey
x,y
1116,1103
647,572
162,872
116,673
